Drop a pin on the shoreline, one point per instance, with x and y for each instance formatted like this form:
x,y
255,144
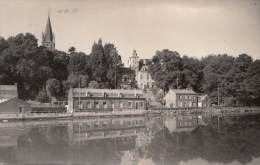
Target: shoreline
x,y
133,113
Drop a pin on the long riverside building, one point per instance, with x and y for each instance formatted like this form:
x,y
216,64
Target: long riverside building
x,y
82,99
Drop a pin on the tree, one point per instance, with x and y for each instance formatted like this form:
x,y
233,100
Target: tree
x,y
94,85
77,81
42,96
165,69
72,49
77,63
53,87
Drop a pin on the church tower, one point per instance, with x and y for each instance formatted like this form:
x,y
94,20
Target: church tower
x,y
48,39
134,61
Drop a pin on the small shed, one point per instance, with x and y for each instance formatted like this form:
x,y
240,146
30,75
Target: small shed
x,y
8,92
14,105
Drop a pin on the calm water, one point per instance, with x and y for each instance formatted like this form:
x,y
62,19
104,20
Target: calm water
x,y
160,140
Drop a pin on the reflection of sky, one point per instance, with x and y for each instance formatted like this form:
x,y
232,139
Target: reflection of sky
x,y
47,137
170,123
199,161
142,161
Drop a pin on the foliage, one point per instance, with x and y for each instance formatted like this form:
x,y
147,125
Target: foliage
x,y
42,96
53,87
235,80
236,140
94,85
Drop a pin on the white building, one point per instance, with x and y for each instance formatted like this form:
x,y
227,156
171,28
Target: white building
x,y
143,78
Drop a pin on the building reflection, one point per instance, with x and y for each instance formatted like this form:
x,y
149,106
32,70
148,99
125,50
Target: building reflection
x,y
137,140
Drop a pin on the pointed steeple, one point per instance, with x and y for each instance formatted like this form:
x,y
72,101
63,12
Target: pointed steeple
x,y
48,30
48,36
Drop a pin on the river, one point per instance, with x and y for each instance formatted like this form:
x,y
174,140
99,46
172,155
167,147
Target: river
x,y
157,140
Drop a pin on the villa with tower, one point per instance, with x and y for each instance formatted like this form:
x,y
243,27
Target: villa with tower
x,y
142,76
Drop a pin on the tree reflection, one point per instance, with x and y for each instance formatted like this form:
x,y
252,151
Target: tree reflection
x,y
237,139
43,146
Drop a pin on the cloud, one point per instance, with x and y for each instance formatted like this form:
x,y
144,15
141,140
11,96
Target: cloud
x,y
74,10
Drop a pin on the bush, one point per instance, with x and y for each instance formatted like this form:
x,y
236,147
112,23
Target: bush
x,y
49,109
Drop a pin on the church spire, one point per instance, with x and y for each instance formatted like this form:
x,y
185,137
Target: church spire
x,y
48,36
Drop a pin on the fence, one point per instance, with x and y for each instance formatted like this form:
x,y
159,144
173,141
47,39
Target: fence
x,y
95,110
49,110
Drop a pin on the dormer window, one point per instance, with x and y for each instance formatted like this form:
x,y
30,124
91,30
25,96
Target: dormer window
x,y
121,95
104,94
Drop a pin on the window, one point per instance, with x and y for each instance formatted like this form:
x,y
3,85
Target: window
x,y
186,96
80,105
88,105
121,104
21,109
180,123
130,104
189,96
141,104
96,105
55,103
185,123
112,105
105,105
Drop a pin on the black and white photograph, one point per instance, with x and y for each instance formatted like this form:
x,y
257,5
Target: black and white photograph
x,y
130,82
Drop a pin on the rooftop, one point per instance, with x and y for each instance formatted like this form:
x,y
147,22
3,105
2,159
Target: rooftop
x,y
108,92
183,91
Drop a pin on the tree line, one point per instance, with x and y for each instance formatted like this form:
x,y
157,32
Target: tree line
x,y
41,74
236,80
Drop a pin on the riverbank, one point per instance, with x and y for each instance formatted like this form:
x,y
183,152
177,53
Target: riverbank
x,y
77,115
129,113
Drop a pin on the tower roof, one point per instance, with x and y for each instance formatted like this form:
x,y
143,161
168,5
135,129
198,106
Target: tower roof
x,y
48,31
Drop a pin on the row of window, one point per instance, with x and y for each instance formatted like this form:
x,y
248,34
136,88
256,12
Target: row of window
x,y
148,77
121,105
185,123
120,123
148,85
187,104
187,97
185,118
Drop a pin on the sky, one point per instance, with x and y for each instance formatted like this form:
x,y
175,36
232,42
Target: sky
x,y
195,28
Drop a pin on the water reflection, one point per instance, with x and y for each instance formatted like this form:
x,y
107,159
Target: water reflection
x,y
183,139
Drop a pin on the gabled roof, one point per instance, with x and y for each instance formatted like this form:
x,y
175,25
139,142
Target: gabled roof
x,y
8,91
108,92
16,100
183,91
